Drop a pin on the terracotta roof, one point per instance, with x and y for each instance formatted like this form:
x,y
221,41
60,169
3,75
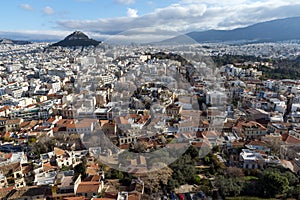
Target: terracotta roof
x,y
51,120
7,134
86,187
27,169
74,198
257,143
47,166
200,144
96,178
134,196
10,167
5,191
91,171
42,128
8,155
292,140
135,116
210,134
228,125
251,124
59,152
13,121
284,136
124,146
65,122
89,120
237,144
24,124
204,122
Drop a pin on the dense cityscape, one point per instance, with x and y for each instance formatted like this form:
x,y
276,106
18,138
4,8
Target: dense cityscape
x,y
147,122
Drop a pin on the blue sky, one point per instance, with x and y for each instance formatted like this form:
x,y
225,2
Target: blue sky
x,y
53,19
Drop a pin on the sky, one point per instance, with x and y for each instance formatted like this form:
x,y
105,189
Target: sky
x,y
55,19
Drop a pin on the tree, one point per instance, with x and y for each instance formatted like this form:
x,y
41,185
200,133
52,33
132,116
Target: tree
x,y
197,180
193,152
81,168
234,172
117,174
292,178
229,186
274,183
295,192
184,169
156,180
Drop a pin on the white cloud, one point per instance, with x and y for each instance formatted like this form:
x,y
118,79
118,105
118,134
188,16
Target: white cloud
x,y
126,2
185,16
132,12
48,10
190,15
173,17
26,7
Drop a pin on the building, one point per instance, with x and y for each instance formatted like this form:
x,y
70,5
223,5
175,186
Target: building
x,y
251,160
253,130
88,189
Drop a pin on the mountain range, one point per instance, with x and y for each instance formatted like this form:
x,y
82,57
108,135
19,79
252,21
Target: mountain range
x,y
287,29
271,31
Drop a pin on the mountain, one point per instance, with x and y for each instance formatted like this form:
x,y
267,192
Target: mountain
x,y
17,42
77,38
270,31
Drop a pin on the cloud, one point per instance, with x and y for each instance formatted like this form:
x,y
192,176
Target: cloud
x,y
190,15
126,2
48,10
132,12
26,7
173,17
185,16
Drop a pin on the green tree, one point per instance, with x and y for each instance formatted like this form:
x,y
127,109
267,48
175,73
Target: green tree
x,y
81,169
295,192
193,152
292,178
197,180
274,183
117,174
183,172
229,186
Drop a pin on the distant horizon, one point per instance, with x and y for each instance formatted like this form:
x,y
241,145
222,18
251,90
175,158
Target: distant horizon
x,y
53,20
169,34
122,35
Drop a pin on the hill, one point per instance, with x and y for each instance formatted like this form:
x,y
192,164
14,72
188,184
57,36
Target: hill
x,y
16,42
77,38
